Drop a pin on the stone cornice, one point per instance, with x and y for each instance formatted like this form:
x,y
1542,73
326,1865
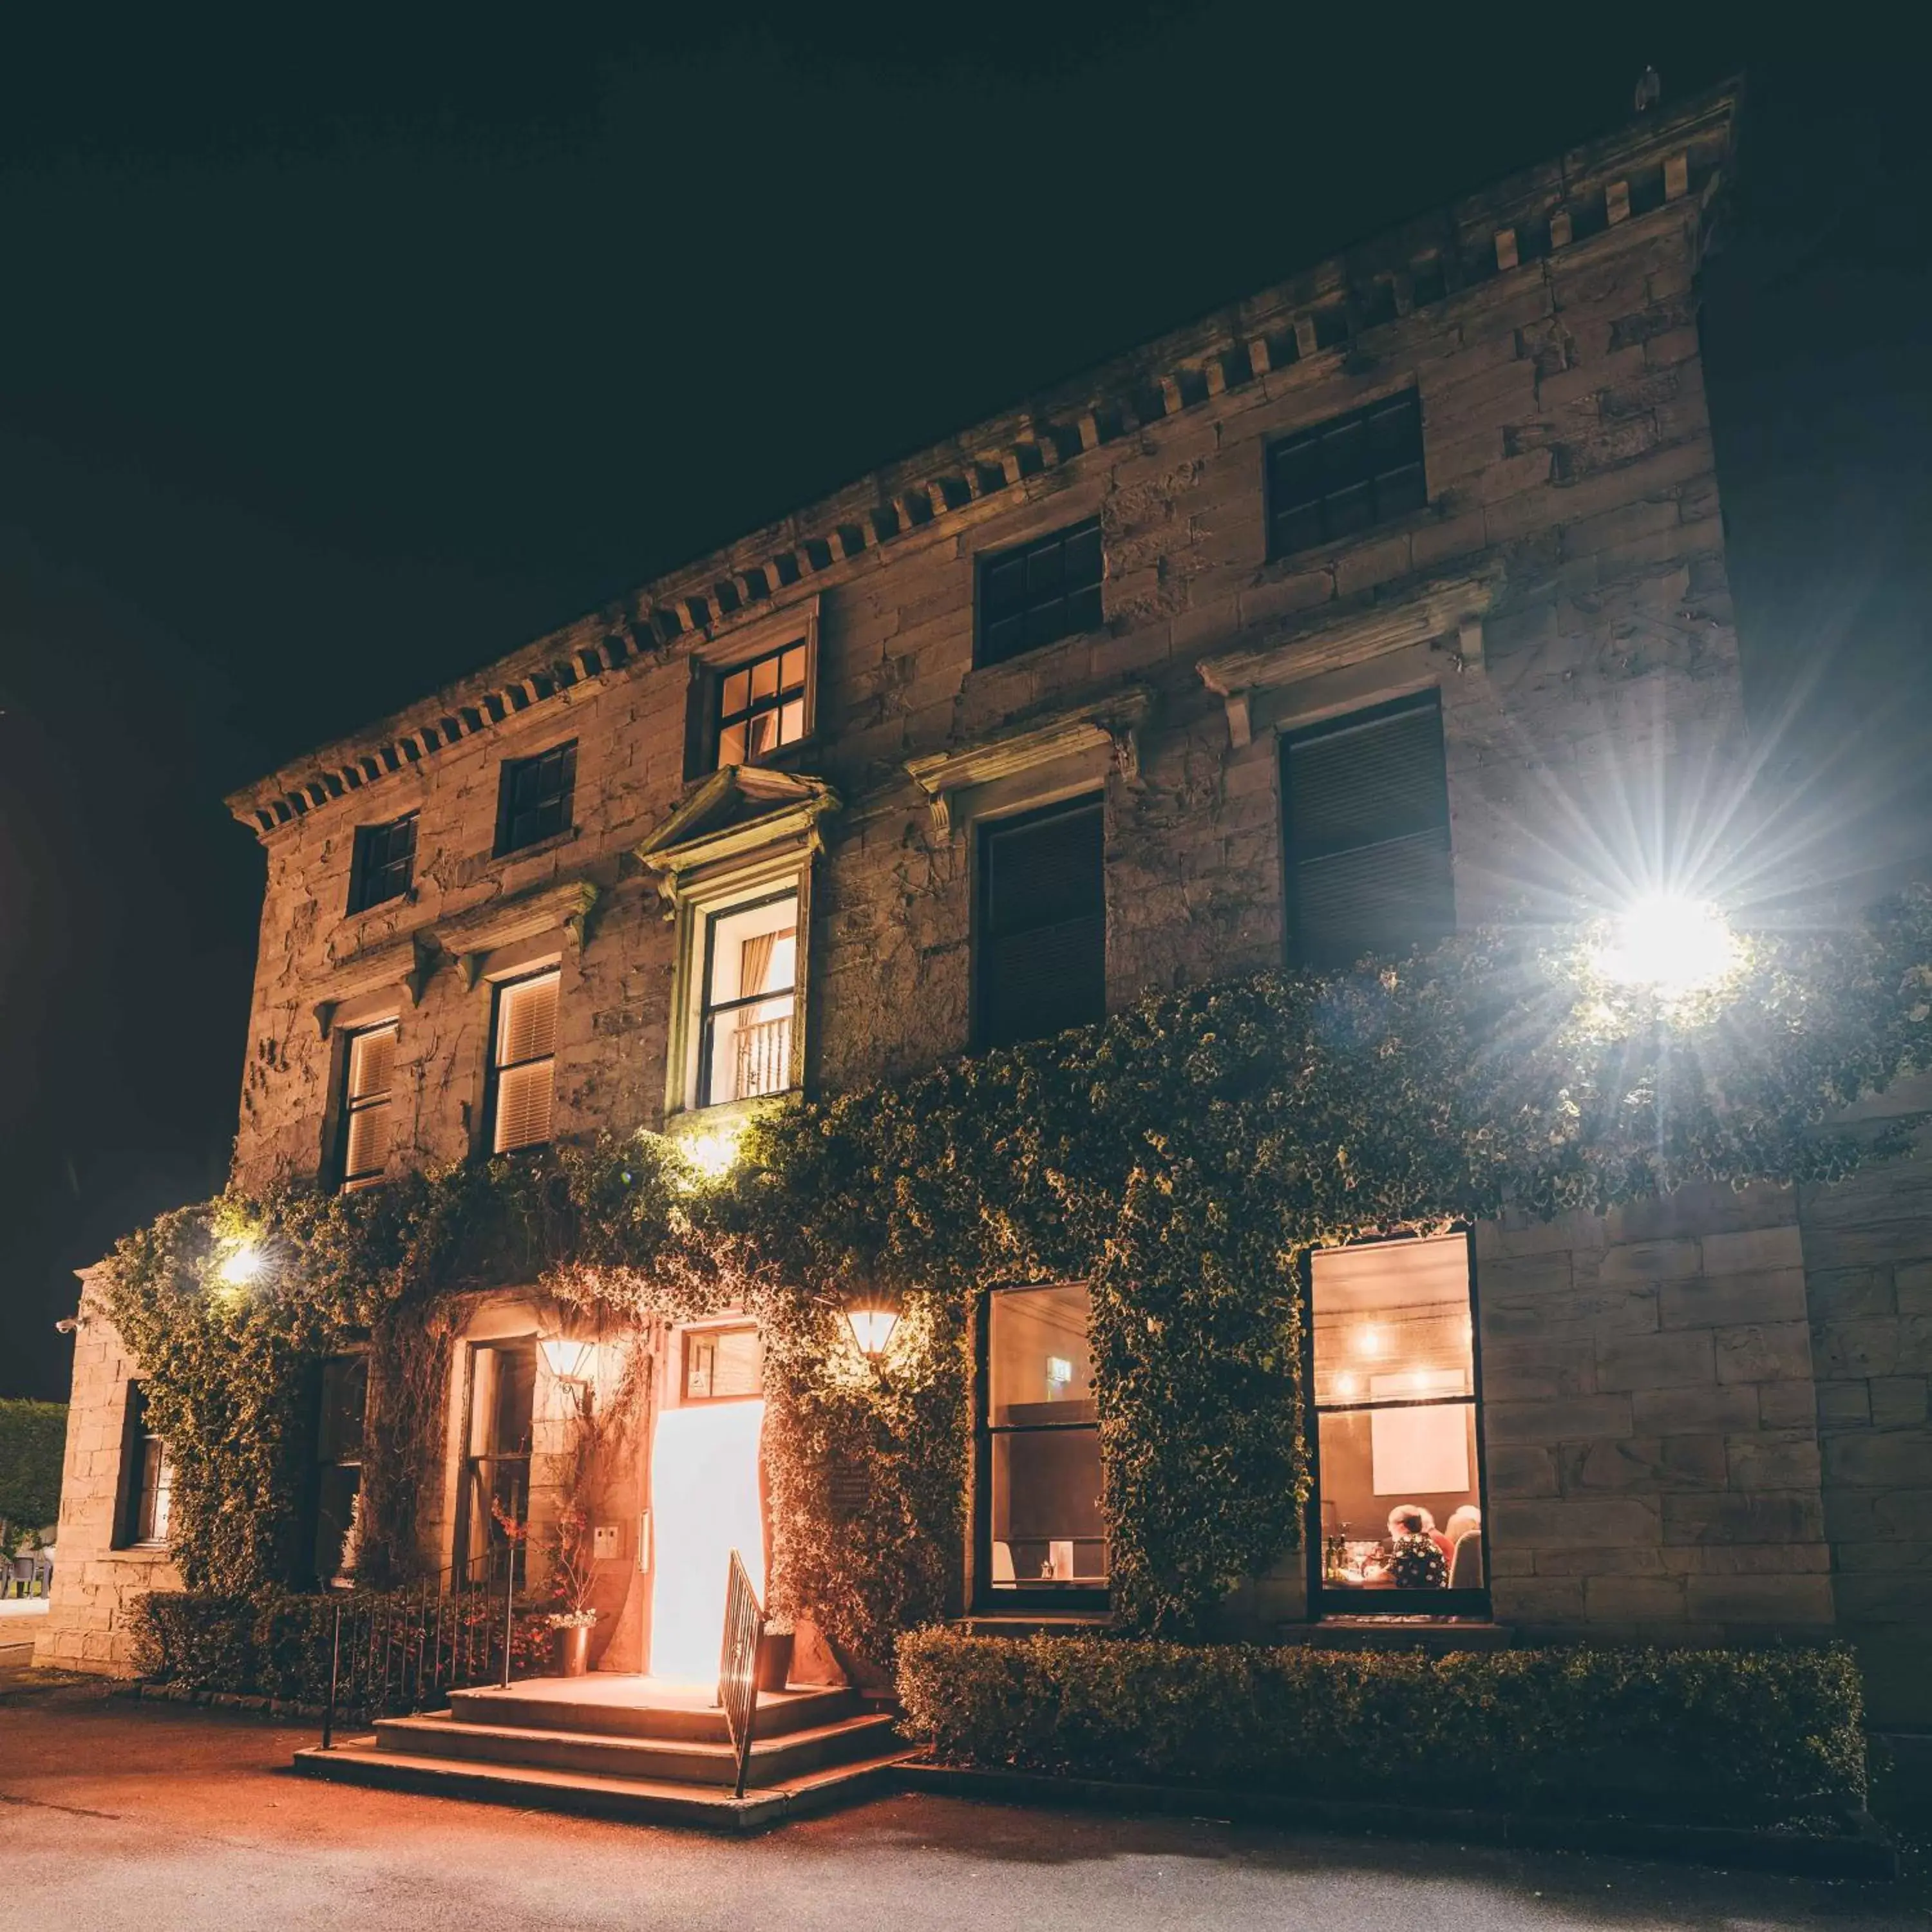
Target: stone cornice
x,y
1111,722
1450,606
1665,166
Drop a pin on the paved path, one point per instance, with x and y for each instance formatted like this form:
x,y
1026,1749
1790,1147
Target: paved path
x,y
117,1816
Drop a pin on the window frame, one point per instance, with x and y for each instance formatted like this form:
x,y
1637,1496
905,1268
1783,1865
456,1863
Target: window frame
x,y
463,1559
709,1331
563,800
717,676
497,1067
1273,511
1328,1604
134,1514
707,1011
1430,699
348,1104
984,831
364,869
325,1462
984,1599
985,565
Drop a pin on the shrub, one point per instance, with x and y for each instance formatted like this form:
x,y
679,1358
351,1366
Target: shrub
x,y
1716,1736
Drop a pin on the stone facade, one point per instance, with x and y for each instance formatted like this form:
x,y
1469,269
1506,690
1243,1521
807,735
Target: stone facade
x,y
1655,1395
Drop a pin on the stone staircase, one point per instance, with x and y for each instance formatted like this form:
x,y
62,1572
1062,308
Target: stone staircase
x,y
628,1748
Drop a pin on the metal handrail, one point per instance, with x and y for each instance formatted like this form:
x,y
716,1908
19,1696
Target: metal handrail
x,y
395,1650
738,1666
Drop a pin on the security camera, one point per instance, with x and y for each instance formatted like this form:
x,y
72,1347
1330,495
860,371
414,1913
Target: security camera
x,y
68,1327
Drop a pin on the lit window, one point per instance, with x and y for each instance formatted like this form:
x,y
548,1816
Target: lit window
x,y
384,865
1346,475
1040,592
764,705
345,1396
722,1364
534,798
750,1000
368,1074
1042,1530
497,1461
1398,1453
525,1062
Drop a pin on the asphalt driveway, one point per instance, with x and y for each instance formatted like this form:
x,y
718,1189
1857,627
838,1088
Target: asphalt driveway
x,y
114,1815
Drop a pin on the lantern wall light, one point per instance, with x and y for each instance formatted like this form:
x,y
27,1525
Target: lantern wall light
x,y
872,1330
573,1363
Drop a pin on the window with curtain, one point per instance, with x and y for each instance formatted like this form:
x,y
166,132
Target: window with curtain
x,y
763,705
496,1459
524,1066
1365,805
1040,944
367,1078
1398,1449
750,999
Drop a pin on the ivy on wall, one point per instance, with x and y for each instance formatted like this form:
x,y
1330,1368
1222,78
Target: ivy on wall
x,y
1180,1157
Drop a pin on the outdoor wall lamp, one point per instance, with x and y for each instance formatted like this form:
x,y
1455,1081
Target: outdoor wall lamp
x,y
1669,944
570,1360
872,1330
241,1265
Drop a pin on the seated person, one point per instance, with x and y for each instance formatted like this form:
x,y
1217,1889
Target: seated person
x,y
1464,1532
1427,1517
1414,1562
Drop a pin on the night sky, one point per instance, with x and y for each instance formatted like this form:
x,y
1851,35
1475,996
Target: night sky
x,y
331,369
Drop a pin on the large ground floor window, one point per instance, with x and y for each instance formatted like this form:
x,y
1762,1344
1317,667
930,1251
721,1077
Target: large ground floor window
x,y
496,1481
1041,1535
1398,1499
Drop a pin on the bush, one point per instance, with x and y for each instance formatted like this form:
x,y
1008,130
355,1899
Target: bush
x,y
1732,1736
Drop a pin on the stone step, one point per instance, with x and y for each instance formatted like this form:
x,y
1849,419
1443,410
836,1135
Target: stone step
x,y
635,1800
681,1761
633,1708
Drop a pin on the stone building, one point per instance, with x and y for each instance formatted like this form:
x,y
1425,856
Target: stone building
x,y
1383,600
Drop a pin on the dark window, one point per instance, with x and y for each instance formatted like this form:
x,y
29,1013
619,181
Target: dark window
x,y
1346,475
1042,1533
496,1460
147,1476
345,1397
1040,950
368,1073
523,1071
1365,805
1398,1505
1040,592
762,705
385,863
722,1364
535,799
749,1004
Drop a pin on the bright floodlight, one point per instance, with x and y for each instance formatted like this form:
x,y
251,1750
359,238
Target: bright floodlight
x,y
1668,945
240,1266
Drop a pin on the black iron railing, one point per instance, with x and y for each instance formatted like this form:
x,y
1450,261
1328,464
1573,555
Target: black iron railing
x,y
738,1666
402,1650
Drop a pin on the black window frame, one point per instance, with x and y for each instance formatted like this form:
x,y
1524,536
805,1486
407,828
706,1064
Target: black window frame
x,y
524,821
498,1066
987,833
1390,491
134,1511
986,1600
384,865
350,1104
1294,857
335,1457
1328,1603
1080,607
708,1013
718,720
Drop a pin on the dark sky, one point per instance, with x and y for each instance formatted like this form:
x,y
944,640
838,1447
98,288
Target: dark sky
x,y
332,368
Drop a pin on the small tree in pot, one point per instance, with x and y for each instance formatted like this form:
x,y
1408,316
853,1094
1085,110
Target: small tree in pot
x,y
570,1548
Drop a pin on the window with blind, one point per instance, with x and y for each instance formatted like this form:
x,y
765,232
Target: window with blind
x,y
534,797
1346,475
1040,939
1039,592
722,1364
368,1074
524,1068
1365,802
384,866
750,1002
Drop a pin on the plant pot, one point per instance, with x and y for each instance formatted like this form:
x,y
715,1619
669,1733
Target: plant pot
x,y
774,1660
570,1649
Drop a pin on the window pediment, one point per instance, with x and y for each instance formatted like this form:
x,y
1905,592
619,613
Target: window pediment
x,y
738,817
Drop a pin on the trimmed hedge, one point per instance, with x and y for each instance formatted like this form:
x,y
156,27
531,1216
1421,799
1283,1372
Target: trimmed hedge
x,y
1771,1737
276,1644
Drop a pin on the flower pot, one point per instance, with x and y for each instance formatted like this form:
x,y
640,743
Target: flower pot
x,y
570,1649
774,1660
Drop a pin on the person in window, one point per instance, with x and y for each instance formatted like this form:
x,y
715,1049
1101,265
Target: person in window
x,y
1414,1562
1402,1512
1465,1532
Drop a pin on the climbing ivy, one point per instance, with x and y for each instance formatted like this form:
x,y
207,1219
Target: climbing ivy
x,y
1180,1157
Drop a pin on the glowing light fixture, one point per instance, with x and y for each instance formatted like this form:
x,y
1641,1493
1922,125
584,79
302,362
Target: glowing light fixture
x,y
712,1152
1369,1341
240,1266
872,1330
1667,944
568,1359
1348,1386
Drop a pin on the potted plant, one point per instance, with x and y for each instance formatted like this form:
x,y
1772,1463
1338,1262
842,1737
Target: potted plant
x,y
572,1575
774,1653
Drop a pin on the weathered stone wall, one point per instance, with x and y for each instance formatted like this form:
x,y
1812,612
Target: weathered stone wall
x,y
95,1585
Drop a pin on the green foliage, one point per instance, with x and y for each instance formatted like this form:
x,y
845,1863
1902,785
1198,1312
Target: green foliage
x,y
33,1440
1744,1737
1180,1157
